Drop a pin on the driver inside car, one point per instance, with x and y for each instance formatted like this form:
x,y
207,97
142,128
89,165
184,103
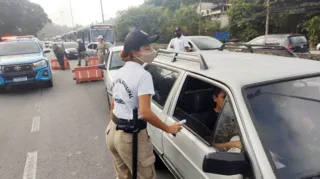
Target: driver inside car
x,y
225,130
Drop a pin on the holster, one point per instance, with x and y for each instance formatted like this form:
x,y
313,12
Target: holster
x,y
128,126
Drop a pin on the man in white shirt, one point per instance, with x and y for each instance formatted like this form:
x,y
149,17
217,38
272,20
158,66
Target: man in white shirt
x,y
180,43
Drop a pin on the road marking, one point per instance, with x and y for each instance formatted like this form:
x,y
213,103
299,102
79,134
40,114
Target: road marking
x,y
38,105
30,168
35,124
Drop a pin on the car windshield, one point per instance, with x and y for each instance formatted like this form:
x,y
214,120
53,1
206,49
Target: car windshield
x,y
70,45
287,119
298,39
116,61
206,43
16,48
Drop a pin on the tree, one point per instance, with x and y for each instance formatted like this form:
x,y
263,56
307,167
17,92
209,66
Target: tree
x,y
20,17
247,17
312,26
145,17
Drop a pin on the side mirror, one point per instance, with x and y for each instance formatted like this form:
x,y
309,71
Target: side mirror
x,y
225,163
46,51
102,66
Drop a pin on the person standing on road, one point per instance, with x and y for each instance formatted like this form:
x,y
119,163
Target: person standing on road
x,y
59,53
102,47
82,52
180,43
133,88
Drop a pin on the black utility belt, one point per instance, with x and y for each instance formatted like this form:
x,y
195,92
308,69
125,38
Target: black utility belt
x,y
128,126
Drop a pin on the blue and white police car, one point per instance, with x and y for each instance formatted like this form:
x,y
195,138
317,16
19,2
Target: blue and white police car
x,y
23,61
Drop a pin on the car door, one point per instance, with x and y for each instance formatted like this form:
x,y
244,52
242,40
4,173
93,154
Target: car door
x,y
107,78
166,80
186,150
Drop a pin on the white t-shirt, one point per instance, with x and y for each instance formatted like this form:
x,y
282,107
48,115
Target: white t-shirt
x,y
131,81
180,44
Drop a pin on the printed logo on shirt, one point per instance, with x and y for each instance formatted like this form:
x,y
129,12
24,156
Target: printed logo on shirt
x,y
120,101
129,92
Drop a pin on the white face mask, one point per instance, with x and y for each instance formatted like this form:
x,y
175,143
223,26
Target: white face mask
x,y
147,57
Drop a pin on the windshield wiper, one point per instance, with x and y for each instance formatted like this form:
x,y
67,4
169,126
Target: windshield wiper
x,y
313,176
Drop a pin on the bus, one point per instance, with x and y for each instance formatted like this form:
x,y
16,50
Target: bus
x,y
69,37
90,33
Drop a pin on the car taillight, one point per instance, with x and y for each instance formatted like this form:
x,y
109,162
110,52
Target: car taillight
x,y
289,47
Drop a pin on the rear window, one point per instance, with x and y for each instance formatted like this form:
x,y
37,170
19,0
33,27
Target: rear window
x,y
298,39
16,48
275,39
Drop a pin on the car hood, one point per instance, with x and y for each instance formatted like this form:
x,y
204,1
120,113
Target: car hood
x,y
71,50
18,59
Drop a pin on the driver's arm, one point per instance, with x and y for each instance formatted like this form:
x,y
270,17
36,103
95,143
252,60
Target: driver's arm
x,y
228,145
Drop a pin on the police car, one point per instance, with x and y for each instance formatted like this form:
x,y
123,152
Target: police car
x,y
23,61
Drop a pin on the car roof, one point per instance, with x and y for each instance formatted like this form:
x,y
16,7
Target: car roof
x,y
238,69
116,48
20,40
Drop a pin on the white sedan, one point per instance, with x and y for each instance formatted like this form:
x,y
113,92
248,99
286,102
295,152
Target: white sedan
x,y
91,48
318,46
110,67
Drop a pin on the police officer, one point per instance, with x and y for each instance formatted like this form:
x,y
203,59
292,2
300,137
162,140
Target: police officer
x,y
59,53
133,88
82,52
102,47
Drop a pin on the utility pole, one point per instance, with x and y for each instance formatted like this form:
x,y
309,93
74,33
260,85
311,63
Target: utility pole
x,y
267,17
71,14
200,14
102,11
61,12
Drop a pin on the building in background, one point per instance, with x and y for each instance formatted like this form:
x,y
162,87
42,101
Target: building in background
x,y
215,11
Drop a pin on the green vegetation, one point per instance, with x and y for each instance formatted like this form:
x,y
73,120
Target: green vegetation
x,y
162,17
248,18
21,17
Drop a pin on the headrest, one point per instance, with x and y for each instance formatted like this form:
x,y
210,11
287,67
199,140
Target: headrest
x,y
198,102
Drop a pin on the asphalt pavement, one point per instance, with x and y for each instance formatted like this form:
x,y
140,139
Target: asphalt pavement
x,y
56,133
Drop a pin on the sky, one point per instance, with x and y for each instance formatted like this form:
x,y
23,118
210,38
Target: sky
x,y
84,11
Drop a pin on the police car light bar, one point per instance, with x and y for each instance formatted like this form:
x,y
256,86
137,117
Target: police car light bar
x,y
8,37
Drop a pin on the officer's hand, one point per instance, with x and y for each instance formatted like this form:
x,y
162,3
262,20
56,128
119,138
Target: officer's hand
x,y
174,128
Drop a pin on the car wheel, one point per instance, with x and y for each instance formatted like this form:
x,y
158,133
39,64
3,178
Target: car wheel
x,y
49,84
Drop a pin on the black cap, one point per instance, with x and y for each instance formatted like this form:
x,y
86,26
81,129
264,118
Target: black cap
x,y
135,39
178,29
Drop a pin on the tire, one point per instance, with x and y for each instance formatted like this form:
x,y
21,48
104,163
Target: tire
x,y
49,84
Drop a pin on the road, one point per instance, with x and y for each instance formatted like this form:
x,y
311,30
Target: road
x,y
56,133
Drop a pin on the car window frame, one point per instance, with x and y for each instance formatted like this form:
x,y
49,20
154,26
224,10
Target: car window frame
x,y
176,98
88,46
171,90
247,145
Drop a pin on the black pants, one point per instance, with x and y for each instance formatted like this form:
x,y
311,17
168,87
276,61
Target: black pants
x,y
60,59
